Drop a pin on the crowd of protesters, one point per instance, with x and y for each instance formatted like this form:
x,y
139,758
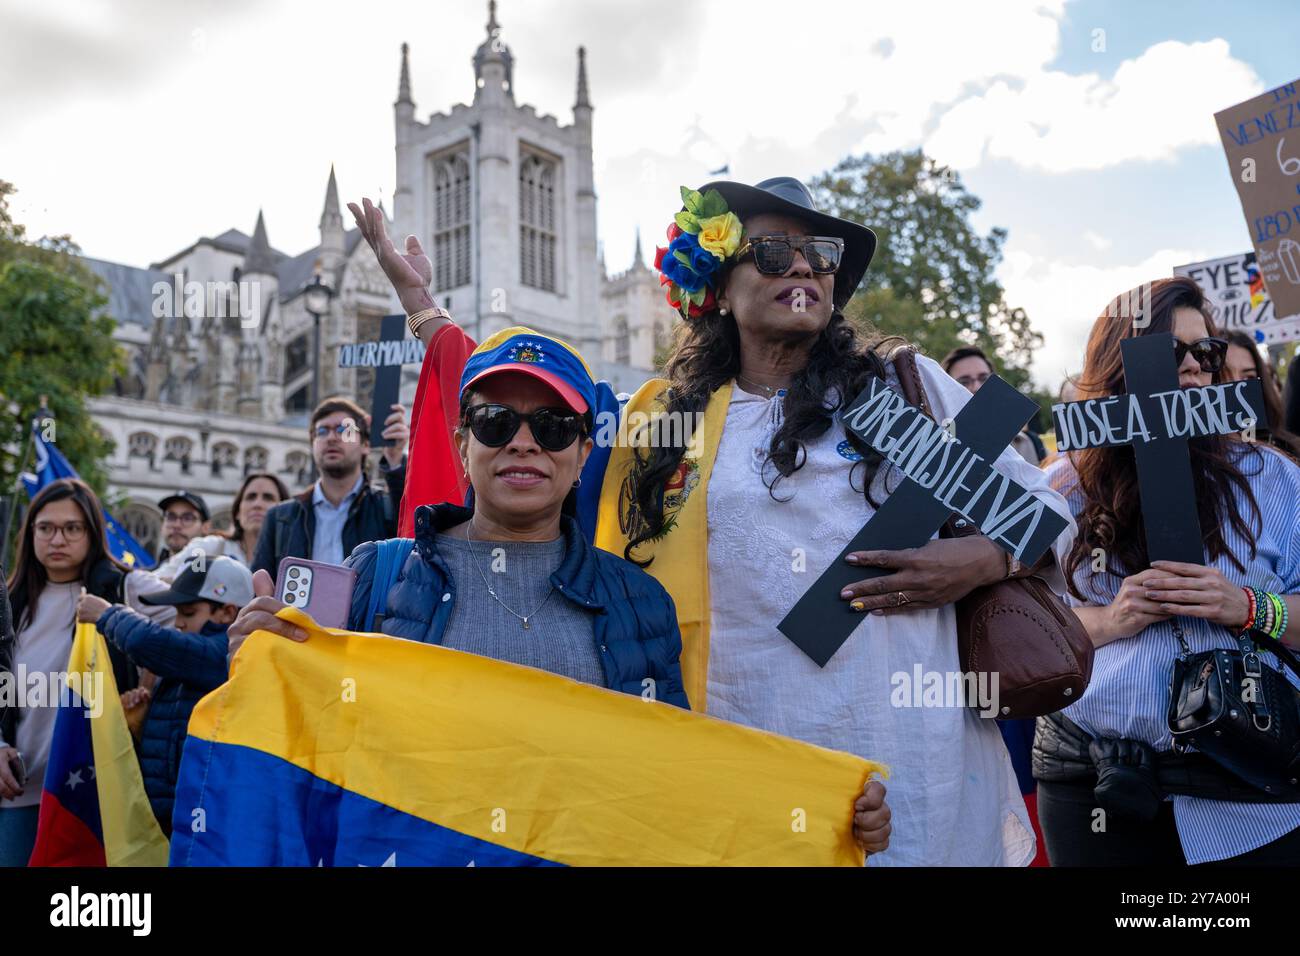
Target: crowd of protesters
x,y
682,578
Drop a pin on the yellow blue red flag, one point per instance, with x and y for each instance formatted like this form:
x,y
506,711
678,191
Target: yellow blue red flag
x,y
94,810
363,750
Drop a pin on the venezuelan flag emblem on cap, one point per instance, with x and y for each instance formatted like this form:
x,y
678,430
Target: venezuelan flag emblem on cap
x,y
526,351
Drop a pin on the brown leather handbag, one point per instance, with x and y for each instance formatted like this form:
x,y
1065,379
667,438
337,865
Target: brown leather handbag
x,y
1017,628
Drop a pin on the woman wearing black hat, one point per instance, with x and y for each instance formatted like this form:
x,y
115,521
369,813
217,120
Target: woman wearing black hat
x,y
737,534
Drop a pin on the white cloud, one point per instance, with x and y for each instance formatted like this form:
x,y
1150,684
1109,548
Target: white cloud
x,y
1155,105
1063,299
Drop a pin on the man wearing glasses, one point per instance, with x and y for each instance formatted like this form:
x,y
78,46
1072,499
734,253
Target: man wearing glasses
x,y
185,516
340,510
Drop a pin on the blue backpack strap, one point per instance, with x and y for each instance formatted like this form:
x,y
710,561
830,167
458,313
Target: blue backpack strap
x,y
390,556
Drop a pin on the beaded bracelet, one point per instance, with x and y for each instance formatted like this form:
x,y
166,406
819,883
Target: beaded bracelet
x,y
1268,613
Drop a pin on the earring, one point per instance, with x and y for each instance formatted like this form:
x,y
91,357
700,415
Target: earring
x,y
723,310
578,483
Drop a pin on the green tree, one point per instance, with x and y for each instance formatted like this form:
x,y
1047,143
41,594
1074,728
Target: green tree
x,y
56,341
932,278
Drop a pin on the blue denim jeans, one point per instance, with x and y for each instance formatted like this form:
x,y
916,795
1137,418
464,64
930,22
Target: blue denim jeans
x,y
17,834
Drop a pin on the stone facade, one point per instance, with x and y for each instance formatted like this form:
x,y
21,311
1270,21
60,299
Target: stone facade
x,y
219,341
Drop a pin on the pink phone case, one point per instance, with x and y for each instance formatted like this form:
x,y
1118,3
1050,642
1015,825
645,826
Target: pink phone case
x,y
323,591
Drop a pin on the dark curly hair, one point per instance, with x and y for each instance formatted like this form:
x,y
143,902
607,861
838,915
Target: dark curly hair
x,y
705,355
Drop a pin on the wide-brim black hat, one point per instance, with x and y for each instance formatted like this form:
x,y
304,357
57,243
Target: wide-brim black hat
x,y
788,196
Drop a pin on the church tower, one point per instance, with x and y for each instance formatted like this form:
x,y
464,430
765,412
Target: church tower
x,y
503,200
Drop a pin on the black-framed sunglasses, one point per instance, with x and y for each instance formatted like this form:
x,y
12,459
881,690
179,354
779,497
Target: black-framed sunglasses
x,y
773,254
1209,352
555,429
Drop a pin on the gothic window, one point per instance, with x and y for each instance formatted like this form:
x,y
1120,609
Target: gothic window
x,y
255,460
224,455
622,341
142,445
296,356
178,448
297,464
451,221
369,325
299,400
537,222
143,523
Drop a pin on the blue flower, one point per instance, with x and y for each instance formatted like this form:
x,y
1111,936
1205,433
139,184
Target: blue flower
x,y
684,276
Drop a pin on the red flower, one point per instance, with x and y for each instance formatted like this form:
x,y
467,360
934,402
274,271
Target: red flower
x,y
692,310
674,231
660,252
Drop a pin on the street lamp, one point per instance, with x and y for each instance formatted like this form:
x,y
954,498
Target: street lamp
x,y
316,297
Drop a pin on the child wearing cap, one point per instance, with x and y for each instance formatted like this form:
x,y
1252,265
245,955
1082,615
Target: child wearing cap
x,y
188,658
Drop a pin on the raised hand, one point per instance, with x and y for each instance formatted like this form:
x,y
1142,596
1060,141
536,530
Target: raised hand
x,y
410,272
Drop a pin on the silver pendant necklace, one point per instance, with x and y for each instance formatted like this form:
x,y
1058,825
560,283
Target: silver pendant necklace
x,y
768,390
473,554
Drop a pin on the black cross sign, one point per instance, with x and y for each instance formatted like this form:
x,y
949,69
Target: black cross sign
x,y
944,473
386,357
1157,418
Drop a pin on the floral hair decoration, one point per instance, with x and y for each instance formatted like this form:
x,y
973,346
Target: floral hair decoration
x,y
703,236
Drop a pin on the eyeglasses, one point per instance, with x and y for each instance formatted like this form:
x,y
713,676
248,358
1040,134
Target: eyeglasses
x,y
774,254
1209,352
185,520
72,531
555,429
342,429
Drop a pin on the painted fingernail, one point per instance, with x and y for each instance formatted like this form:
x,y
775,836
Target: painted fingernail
x,y
851,558
858,605
846,593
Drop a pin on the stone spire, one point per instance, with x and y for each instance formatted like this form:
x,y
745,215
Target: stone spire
x,y
404,82
258,260
637,261
493,61
584,98
331,216
331,229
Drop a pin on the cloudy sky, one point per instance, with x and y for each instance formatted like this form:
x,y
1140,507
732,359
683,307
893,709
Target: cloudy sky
x,y
1086,126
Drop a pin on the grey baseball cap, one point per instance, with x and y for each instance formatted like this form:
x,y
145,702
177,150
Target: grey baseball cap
x,y
205,578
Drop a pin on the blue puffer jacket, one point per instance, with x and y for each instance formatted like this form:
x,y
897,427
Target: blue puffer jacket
x,y
635,622
188,667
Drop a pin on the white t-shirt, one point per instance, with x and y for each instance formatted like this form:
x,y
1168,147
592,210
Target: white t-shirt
x,y
952,790
40,658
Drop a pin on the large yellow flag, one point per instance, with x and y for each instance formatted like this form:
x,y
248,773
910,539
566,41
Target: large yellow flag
x,y
359,749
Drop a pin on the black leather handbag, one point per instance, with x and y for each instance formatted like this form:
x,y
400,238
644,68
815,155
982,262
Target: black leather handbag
x,y
1241,713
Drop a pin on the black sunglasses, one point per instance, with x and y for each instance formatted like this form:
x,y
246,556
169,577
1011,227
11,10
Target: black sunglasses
x,y
773,254
1209,352
555,429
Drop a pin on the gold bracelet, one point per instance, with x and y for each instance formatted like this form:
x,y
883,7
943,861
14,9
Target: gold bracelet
x,y
417,321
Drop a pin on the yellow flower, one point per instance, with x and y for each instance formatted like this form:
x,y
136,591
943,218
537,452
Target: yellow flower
x,y
720,235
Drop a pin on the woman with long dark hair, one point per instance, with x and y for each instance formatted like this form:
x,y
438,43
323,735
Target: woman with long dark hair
x,y
755,487
1111,751
61,549
1243,361
259,492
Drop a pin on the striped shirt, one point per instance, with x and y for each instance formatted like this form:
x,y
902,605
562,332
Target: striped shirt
x,y
1129,694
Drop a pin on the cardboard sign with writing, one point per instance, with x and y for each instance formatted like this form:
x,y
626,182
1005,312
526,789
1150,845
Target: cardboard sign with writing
x,y
1158,418
1261,138
386,356
1234,291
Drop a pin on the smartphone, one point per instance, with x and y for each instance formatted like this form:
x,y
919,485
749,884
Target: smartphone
x,y
323,591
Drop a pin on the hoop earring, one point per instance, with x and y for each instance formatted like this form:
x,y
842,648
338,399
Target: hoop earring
x,y
578,483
